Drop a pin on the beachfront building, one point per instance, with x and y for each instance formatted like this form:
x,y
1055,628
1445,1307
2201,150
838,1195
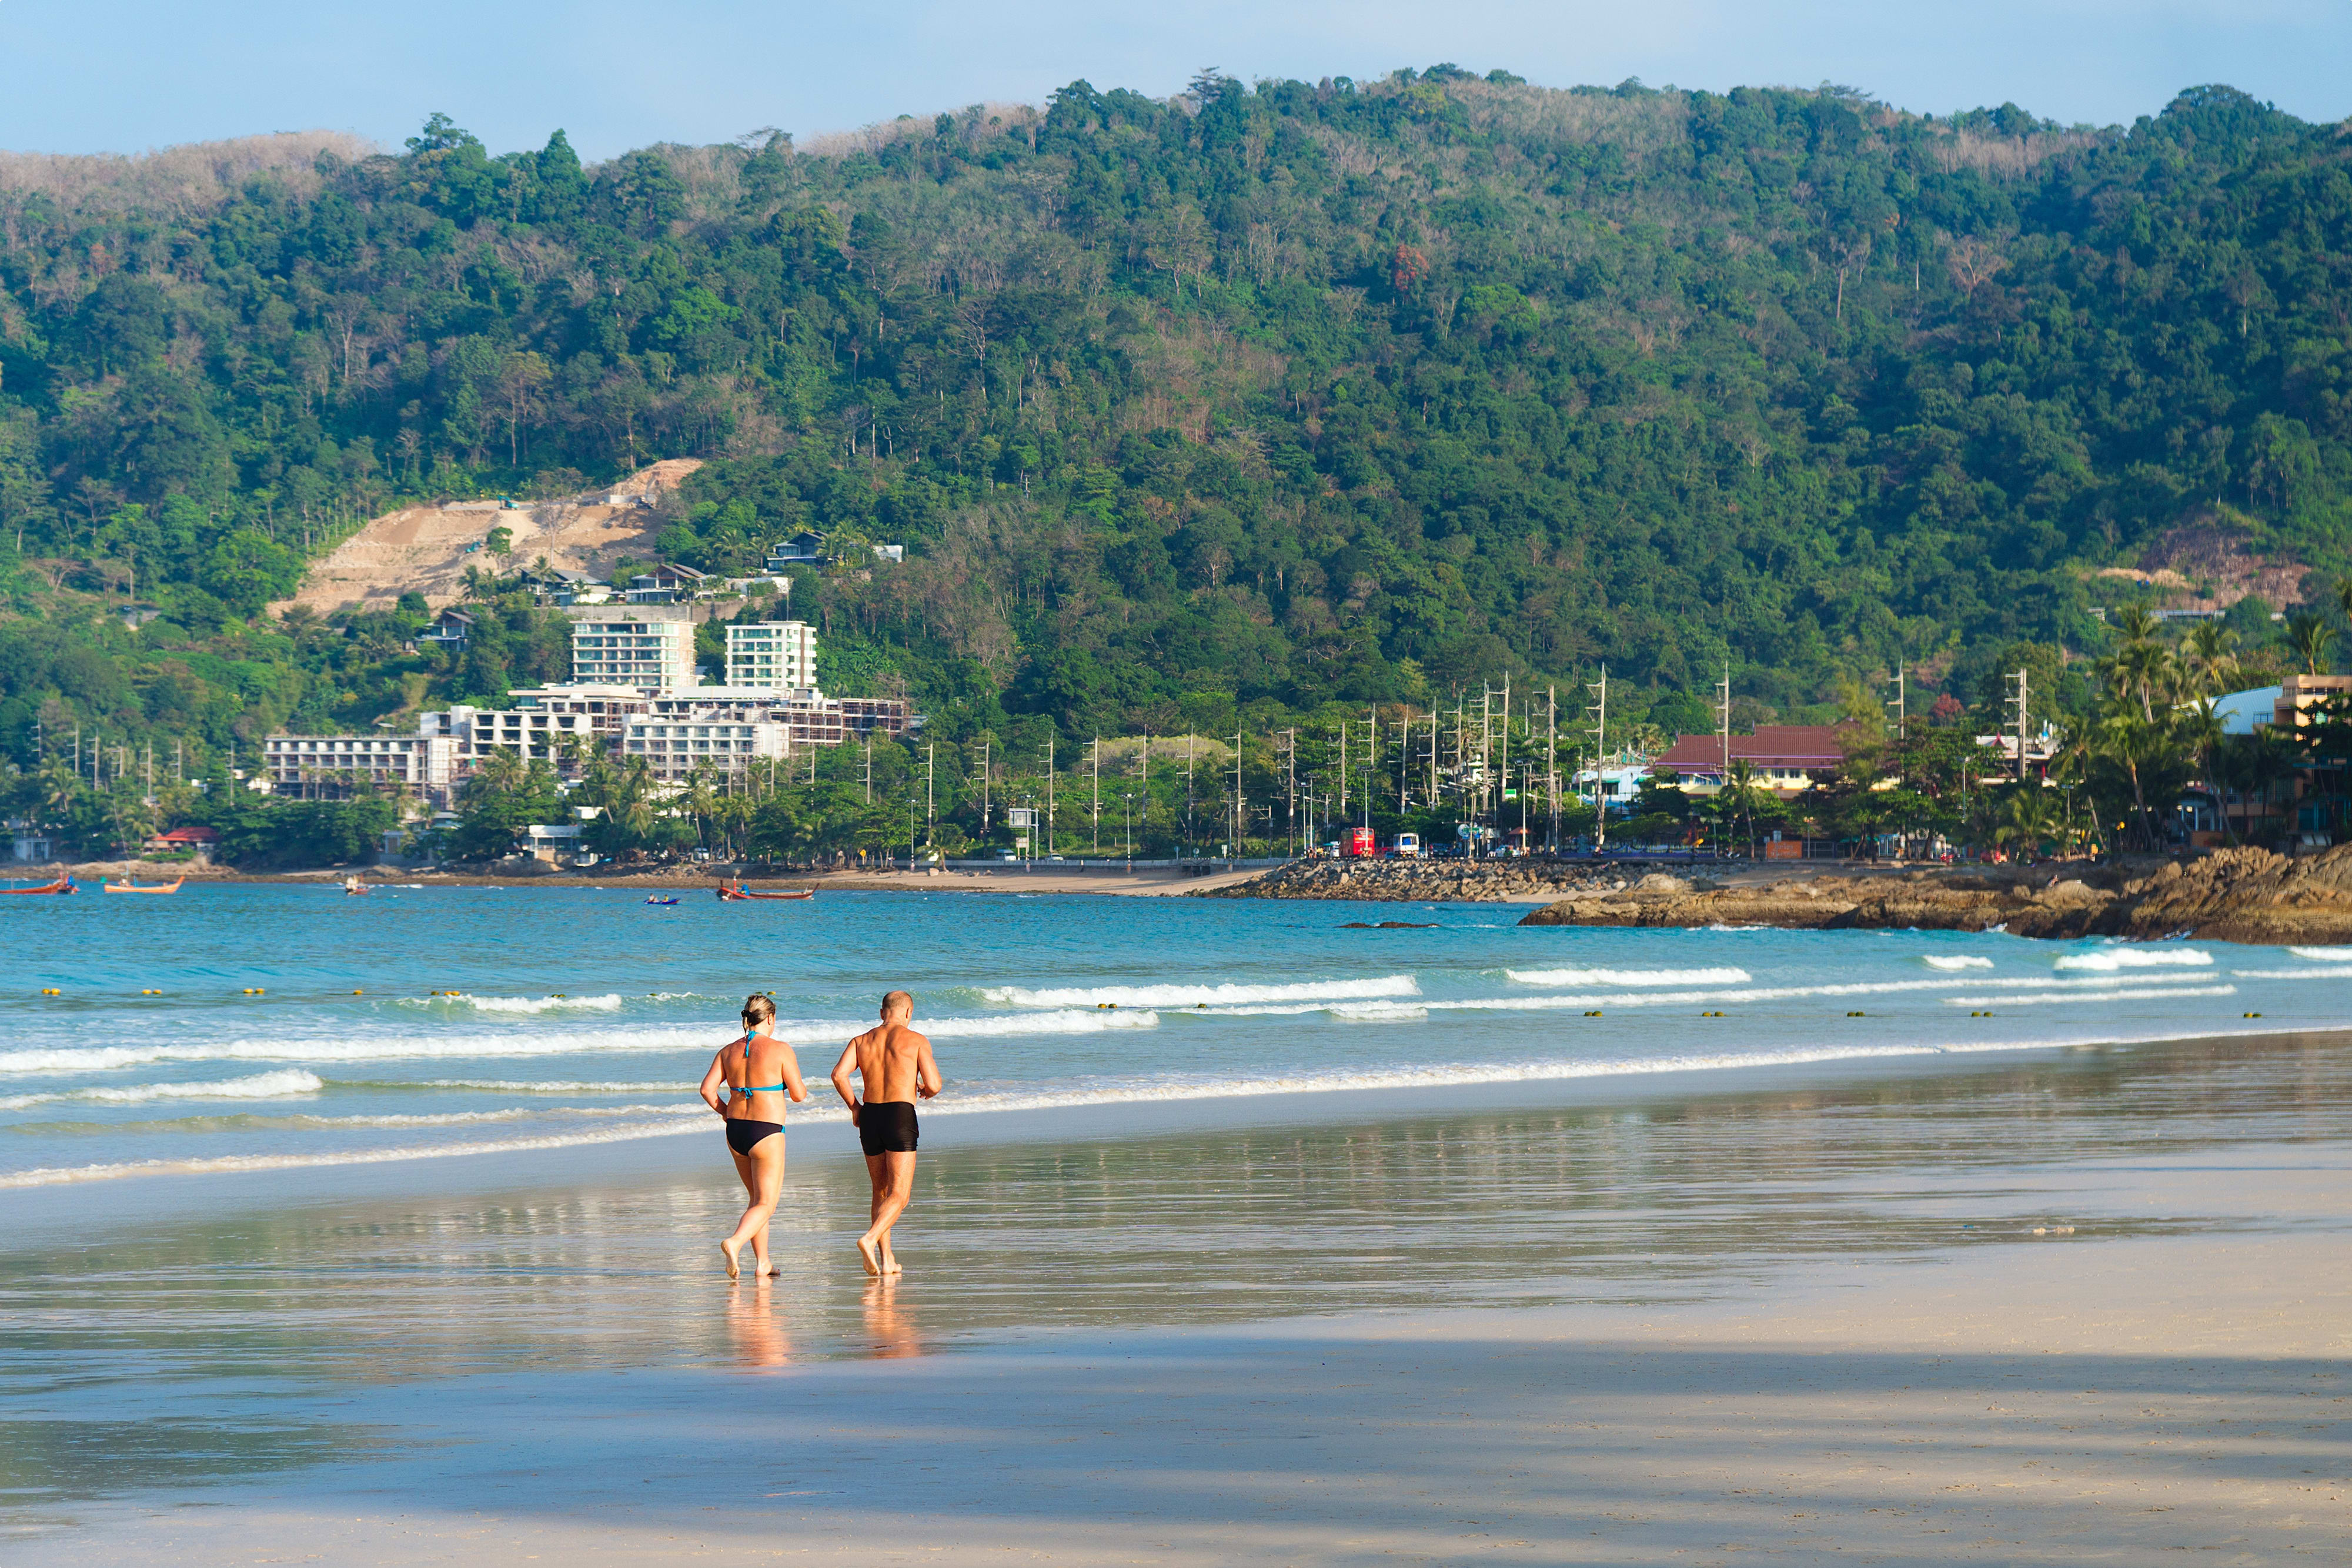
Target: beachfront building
x,y
1613,784
771,654
547,724
330,767
643,646
1788,759
810,717
673,745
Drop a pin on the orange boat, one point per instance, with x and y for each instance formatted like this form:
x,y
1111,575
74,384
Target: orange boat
x,y
171,886
63,884
734,890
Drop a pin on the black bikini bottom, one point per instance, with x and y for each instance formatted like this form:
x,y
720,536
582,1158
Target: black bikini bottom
x,y
743,1132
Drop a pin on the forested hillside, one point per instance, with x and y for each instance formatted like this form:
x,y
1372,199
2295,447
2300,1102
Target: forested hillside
x,y
1272,396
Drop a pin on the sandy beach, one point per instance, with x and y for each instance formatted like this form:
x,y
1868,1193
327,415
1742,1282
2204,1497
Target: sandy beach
x,y
2088,1307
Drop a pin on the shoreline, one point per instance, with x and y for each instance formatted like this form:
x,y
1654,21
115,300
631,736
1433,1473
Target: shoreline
x,y
668,879
2104,1316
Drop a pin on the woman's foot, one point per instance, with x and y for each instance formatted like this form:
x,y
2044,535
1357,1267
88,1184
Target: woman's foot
x,y
728,1248
869,1255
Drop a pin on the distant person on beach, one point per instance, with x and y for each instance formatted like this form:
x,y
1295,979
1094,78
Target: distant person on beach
x,y
895,1067
753,1071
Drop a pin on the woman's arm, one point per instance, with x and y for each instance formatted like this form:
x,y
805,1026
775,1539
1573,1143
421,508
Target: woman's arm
x,y
714,1080
793,1087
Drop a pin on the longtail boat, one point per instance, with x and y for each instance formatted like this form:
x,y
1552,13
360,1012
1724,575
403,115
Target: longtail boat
x,y
734,890
63,884
171,886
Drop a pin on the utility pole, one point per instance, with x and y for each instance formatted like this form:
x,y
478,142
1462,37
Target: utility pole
x,y
1901,717
1434,720
1722,716
2020,700
1147,804
1372,760
1094,766
987,747
1049,792
1290,786
1241,816
1600,741
930,807
1404,759
1552,761
869,768
1486,756
1343,769
1188,787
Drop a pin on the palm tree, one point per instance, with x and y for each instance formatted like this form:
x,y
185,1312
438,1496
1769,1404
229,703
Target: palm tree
x,y
2134,623
2212,656
1738,794
2311,637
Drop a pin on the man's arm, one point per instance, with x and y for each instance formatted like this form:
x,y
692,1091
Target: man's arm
x,y
928,1081
841,1070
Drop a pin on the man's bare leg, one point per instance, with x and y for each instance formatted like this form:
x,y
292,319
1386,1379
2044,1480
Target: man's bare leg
x,y
893,1175
877,1173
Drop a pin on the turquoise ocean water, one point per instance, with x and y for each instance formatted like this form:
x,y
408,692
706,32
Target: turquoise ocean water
x,y
582,1016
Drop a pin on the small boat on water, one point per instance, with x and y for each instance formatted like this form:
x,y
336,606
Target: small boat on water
x,y
662,903
126,886
353,886
730,891
63,884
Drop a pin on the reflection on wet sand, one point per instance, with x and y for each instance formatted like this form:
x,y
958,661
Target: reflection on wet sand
x,y
752,1322
890,1328
1683,1196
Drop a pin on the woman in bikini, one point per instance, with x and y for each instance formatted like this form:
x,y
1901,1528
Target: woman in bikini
x,y
753,1072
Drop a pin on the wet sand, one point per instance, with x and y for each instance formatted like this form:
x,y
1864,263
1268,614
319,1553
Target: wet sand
x,y
2091,1307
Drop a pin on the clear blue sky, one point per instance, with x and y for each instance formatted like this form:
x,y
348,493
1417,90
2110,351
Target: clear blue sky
x,y
124,75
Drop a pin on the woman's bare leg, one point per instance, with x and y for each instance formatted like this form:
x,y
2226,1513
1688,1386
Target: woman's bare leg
x,y
763,1171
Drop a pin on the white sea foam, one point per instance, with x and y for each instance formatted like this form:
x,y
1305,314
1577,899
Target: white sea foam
x,y
524,1086
1185,996
2333,955
2108,959
1628,976
529,1043
2090,987
2327,974
2030,998
526,1005
1955,961
1171,1090
260,1086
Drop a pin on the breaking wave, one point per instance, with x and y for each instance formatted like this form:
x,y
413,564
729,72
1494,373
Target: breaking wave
x,y
260,1086
1177,996
1628,976
1955,961
2109,959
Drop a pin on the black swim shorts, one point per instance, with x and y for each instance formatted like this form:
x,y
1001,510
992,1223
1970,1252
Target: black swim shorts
x,y
887,1128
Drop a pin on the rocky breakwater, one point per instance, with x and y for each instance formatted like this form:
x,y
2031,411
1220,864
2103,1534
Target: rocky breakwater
x,y
1431,882
2228,895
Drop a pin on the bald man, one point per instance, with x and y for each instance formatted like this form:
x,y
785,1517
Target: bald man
x,y
895,1068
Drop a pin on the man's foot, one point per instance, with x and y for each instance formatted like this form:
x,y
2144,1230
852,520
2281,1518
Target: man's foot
x,y
728,1250
891,1261
869,1255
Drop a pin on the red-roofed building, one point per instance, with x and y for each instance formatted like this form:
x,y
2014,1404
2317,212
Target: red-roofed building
x,y
200,839
1789,758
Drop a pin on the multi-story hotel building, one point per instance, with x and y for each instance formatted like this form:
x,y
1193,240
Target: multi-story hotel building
x,y
641,646
672,743
331,766
771,653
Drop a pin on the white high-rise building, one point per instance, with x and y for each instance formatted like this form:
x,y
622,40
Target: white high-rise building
x,y
772,656
632,647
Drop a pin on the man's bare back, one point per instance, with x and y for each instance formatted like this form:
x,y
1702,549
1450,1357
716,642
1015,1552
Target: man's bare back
x,y
894,1063
895,1067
